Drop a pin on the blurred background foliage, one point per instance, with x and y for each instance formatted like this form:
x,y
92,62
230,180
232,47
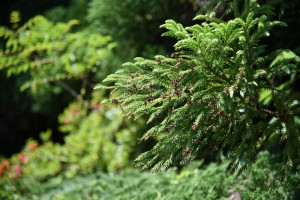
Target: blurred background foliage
x,y
53,127
197,181
135,33
53,57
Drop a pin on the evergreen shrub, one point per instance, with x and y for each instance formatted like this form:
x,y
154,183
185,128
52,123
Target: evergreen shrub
x,y
218,93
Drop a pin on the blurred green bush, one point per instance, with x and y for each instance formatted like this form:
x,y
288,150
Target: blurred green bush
x,y
98,139
135,24
193,182
56,60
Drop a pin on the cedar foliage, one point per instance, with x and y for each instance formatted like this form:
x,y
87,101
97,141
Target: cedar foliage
x,y
216,94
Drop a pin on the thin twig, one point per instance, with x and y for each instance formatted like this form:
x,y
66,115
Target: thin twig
x,y
68,88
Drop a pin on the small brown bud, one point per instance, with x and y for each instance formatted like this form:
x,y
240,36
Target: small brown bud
x,y
221,113
175,83
215,128
190,102
199,101
167,129
212,116
150,85
149,98
197,141
212,104
174,125
158,60
226,91
186,152
135,87
195,126
180,60
178,93
174,55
